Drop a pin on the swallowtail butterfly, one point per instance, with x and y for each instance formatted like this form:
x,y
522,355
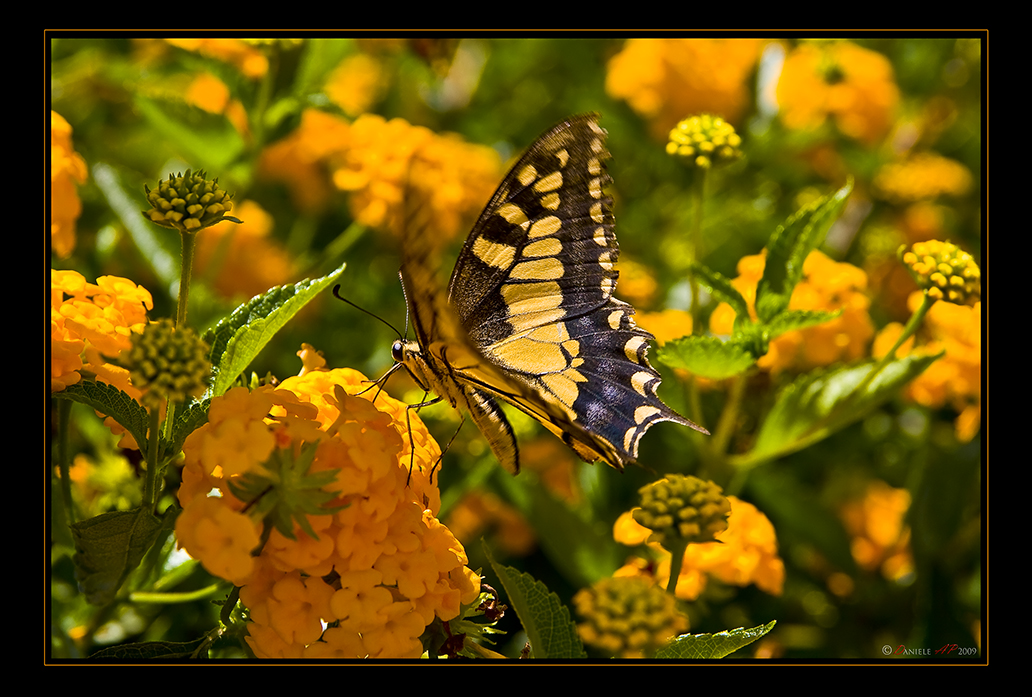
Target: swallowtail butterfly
x,y
530,317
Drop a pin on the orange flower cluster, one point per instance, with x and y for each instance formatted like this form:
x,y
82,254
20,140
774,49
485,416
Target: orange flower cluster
x,y
93,322
923,176
665,79
826,285
880,539
383,165
840,80
357,83
67,168
747,552
379,566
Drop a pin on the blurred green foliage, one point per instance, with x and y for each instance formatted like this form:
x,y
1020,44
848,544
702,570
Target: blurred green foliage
x,y
126,101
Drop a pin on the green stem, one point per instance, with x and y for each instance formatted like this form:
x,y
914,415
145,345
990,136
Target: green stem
x,y
150,497
188,241
908,331
676,561
64,411
729,417
186,271
698,195
163,598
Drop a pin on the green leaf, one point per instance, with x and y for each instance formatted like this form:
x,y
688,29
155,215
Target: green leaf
x,y
716,645
788,248
791,320
238,339
150,651
188,420
706,356
550,630
113,402
721,288
108,548
820,403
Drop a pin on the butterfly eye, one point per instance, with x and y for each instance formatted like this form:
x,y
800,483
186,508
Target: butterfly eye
x,y
398,351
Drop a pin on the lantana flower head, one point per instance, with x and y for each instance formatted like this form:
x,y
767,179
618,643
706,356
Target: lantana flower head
x,y
91,324
747,552
838,80
627,617
371,564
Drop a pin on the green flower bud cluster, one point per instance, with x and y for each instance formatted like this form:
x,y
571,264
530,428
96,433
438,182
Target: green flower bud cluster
x,y
167,363
682,509
627,617
705,141
944,271
188,202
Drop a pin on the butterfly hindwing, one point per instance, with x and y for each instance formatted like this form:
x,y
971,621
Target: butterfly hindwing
x,y
530,315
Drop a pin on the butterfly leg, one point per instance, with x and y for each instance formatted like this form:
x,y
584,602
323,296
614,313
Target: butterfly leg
x,y
408,425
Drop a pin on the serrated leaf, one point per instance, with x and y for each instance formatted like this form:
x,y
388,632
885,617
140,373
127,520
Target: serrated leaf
x,y
792,320
549,627
113,402
149,651
108,547
720,287
719,645
788,248
706,356
238,339
820,403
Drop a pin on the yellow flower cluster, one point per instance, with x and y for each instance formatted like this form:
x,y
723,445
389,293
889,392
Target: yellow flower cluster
x,y
826,285
664,79
627,617
705,140
923,176
945,271
853,85
747,552
91,323
954,379
385,166
377,572
880,539
67,168
357,83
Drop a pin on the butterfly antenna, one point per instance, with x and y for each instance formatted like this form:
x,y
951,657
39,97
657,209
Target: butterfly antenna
x,y
362,309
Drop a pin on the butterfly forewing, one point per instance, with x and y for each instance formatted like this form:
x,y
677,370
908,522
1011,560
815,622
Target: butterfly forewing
x,y
531,316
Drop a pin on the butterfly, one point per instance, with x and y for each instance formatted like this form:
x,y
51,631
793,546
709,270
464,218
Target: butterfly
x,y
529,317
